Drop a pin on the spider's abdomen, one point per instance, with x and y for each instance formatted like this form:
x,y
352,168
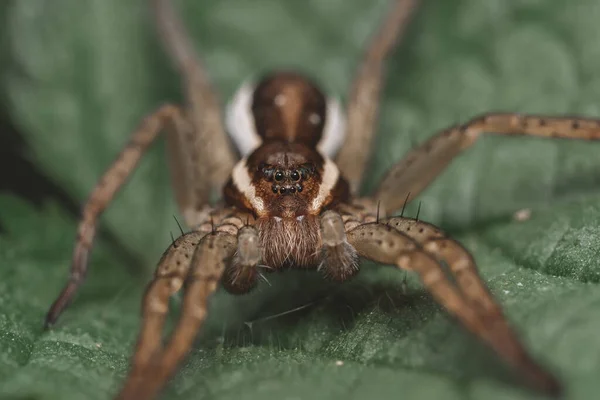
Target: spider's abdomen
x,y
290,242
288,107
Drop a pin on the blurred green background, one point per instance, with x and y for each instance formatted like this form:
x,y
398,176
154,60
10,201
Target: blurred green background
x,y
77,76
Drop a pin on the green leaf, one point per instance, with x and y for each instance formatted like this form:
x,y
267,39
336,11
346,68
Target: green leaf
x,y
81,74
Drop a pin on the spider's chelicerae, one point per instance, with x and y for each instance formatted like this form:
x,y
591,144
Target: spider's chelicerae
x,y
289,199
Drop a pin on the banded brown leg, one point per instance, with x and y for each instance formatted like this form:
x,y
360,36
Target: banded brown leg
x,y
171,272
105,190
153,368
413,173
363,100
210,142
460,263
386,245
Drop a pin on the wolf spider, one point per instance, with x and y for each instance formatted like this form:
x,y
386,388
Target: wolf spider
x,y
290,199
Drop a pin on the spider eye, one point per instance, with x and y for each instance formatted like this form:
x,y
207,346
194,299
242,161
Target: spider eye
x,y
306,170
278,176
266,170
295,175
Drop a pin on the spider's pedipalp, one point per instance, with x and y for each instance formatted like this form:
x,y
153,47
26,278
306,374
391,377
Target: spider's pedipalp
x,y
102,195
170,274
384,244
212,254
241,275
339,259
364,97
414,172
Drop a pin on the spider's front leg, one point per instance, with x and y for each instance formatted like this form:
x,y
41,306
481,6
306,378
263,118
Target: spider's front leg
x,y
198,259
421,166
461,266
171,272
459,261
386,245
206,269
241,274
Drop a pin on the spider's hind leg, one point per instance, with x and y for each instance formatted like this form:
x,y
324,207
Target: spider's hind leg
x,y
210,142
363,100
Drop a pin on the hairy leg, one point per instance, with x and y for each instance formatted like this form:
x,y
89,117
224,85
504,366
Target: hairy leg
x,y
420,166
459,261
102,195
339,259
363,101
206,268
171,272
189,175
359,211
211,144
241,275
384,244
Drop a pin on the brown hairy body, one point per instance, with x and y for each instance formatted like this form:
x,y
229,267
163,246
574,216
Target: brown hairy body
x,y
290,242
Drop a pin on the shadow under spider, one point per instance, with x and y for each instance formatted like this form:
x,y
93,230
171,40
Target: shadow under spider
x,y
337,307
294,299
398,310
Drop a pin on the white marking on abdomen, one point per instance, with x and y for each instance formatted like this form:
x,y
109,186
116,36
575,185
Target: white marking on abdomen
x,y
334,130
240,121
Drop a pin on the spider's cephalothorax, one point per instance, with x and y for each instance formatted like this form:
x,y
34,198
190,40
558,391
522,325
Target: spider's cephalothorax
x,y
286,182
292,199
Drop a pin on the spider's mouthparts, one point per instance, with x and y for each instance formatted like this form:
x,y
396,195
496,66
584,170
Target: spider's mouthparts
x,y
287,189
